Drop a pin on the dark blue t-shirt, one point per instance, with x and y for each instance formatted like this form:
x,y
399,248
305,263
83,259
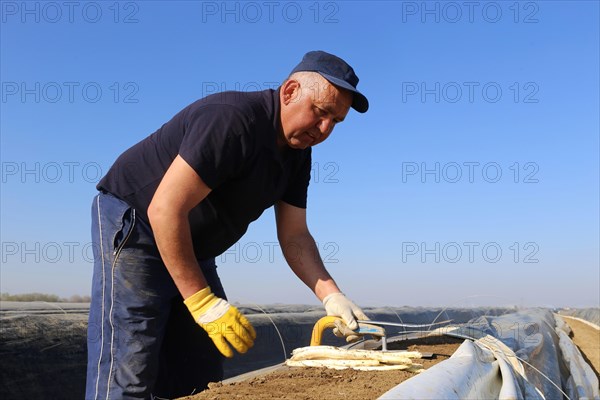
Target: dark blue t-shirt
x,y
230,140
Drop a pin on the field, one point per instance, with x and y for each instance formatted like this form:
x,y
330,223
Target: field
x,y
298,383
43,350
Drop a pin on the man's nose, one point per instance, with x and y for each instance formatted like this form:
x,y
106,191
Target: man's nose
x,y
325,126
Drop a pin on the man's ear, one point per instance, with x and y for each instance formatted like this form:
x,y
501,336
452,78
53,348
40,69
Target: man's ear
x,y
290,91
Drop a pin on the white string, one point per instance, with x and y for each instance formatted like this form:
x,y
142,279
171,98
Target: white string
x,y
277,330
465,298
394,311
51,304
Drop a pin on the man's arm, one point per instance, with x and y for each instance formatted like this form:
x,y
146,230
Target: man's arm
x,y
301,253
300,250
180,190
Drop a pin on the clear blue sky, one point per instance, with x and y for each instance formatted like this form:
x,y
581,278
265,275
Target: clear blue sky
x,y
473,179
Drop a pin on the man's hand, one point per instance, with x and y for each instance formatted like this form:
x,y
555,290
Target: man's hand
x,y
222,321
337,304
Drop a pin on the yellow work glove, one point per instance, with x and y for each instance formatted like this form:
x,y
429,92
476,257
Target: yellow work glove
x,y
338,305
222,321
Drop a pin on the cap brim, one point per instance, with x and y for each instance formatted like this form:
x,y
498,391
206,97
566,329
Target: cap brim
x,y
359,101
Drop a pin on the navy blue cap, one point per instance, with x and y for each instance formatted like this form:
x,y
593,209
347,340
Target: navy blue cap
x,y
336,71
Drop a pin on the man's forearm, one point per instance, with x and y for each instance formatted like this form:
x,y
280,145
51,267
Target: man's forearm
x,y
302,255
174,240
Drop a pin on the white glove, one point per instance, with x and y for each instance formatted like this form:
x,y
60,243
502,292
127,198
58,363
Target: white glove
x,y
338,305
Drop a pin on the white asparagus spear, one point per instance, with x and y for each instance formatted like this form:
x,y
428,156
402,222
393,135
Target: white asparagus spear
x,y
330,352
361,365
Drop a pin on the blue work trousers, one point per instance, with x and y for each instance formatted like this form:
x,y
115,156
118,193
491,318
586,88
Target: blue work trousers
x,y
142,341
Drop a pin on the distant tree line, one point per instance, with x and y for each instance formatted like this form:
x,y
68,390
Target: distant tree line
x,y
52,298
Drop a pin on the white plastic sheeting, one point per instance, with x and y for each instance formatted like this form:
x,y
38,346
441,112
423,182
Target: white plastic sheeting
x,y
582,382
514,356
470,373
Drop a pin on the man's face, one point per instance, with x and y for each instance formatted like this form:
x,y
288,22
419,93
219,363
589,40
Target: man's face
x,y
310,111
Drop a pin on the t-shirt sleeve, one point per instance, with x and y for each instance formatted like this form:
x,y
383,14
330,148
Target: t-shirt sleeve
x,y
215,144
297,191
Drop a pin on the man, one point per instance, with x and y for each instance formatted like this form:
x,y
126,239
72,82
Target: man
x,y
159,320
